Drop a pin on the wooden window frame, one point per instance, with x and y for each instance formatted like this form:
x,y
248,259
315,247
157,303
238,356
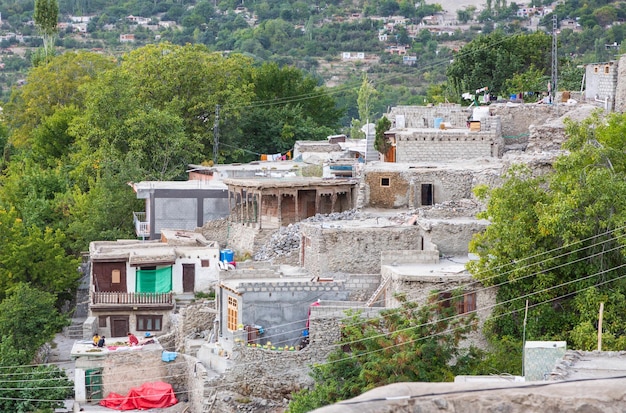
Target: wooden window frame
x,y
145,321
233,313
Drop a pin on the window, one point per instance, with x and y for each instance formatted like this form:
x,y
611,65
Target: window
x,y
115,277
102,321
204,263
149,322
463,303
466,303
233,314
385,181
595,69
606,69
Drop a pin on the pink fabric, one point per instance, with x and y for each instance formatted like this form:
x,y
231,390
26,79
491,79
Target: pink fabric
x,y
146,396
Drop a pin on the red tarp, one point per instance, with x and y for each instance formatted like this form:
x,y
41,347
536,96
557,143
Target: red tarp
x,y
146,396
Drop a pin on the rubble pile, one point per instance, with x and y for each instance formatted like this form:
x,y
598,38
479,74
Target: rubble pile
x,y
286,240
282,242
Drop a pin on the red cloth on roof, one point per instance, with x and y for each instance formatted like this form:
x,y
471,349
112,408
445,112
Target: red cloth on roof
x,y
146,396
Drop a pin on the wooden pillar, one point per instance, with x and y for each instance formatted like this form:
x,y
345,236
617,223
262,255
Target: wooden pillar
x,y
259,206
230,207
349,197
279,209
247,208
317,200
333,198
241,205
297,213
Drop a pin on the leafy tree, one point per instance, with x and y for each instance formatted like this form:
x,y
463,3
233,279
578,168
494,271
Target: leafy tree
x,y
489,60
46,18
57,84
381,144
288,105
410,343
557,240
533,80
179,87
364,99
29,319
35,256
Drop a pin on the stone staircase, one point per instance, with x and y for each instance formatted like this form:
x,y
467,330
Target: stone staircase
x,y
74,330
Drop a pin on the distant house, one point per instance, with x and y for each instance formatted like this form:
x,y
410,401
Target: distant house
x,y
134,284
409,60
127,38
352,55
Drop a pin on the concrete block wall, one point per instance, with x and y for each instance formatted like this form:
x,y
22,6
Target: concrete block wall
x,y
424,116
601,81
439,146
410,256
361,286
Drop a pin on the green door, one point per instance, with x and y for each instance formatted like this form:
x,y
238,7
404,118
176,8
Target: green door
x,y
93,384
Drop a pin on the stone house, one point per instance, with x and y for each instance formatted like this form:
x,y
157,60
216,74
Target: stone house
x,y
403,185
422,276
134,285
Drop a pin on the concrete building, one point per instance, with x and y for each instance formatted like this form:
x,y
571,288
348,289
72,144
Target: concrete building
x,y
270,306
601,83
442,133
135,284
184,205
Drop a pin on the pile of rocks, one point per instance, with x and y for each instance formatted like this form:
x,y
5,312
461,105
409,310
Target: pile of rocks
x,y
282,242
286,240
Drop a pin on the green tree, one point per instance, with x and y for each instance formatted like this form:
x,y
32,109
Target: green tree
x,y
381,144
489,60
29,319
58,84
46,18
555,239
410,343
533,80
182,85
288,105
35,256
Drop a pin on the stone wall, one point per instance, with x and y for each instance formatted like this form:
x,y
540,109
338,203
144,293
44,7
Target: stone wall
x,y
620,92
449,182
452,236
123,370
194,320
352,249
439,146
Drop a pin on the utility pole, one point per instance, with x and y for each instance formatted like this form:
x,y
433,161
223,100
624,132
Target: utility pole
x,y
554,77
216,133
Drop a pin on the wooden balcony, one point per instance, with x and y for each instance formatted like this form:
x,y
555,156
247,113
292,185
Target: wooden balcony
x,y
120,300
142,227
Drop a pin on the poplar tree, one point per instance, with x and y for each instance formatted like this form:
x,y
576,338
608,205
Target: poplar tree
x,y
46,19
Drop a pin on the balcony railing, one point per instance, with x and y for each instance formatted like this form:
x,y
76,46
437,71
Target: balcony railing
x,y
131,298
142,227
